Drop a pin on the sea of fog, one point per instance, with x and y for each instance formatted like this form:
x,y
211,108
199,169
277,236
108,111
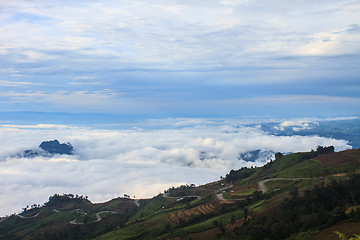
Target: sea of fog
x,y
140,160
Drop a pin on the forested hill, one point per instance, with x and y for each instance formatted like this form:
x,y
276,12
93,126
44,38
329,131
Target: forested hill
x,y
306,195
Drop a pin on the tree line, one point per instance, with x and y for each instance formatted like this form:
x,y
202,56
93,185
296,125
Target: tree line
x,y
321,207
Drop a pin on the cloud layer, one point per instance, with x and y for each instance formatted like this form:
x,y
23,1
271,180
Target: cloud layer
x,y
109,163
180,57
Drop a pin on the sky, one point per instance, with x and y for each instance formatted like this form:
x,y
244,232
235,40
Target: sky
x,y
181,58
150,93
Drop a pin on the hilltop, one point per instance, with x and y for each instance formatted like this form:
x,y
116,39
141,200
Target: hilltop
x,y
306,195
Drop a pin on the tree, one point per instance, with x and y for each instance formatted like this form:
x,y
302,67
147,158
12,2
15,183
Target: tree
x,y
294,192
86,219
324,150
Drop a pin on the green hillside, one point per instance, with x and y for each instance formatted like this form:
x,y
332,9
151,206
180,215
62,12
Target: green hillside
x,y
296,196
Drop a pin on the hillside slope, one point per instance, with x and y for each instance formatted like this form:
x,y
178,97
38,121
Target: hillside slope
x,y
296,196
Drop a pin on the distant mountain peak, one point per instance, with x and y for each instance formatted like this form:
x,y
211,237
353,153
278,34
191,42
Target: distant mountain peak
x,y
55,147
48,149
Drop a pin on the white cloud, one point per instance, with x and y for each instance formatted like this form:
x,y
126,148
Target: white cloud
x,y
109,163
164,34
296,125
15,83
304,124
345,41
164,52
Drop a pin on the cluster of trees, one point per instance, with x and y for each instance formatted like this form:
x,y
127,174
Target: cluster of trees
x,y
181,187
235,175
182,190
34,206
59,199
325,150
317,209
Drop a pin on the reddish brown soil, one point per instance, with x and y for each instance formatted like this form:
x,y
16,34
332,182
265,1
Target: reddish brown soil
x,y
339,158
346,228
268,211
210,234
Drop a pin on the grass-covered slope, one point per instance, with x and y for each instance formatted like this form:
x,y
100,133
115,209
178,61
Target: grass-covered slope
x,y
296,196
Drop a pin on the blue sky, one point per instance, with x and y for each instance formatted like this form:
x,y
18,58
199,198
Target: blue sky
x,y
168,58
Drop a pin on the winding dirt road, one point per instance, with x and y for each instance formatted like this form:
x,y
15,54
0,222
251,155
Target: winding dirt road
x,y
34,216
17,215
263,188
188,196
99,217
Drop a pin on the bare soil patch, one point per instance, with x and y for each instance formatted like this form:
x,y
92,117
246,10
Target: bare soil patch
x,y
339,158
210,234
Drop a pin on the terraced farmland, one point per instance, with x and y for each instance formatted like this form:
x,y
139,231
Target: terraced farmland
x,y
185,215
